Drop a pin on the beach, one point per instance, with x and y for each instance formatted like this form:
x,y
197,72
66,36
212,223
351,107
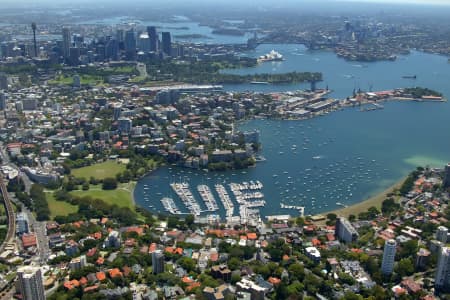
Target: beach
x,y
363,206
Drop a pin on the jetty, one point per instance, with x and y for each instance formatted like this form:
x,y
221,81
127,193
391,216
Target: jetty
x,y
170,206
183,191
207,197
226,201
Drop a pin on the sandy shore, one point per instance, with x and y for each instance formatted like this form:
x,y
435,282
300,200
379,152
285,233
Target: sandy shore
x,y
365,205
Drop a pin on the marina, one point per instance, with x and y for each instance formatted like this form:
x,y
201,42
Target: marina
x,y
183,191
170,206
337,157
226,201
207,197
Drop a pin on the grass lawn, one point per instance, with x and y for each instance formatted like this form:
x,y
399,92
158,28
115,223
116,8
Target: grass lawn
x,y
84,79
121,196
59,208
100,171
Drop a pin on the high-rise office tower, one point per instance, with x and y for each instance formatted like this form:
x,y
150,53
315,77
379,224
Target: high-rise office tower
x,y
112,49
74,56
66,44
387,265
446,181
130,44
144,42
2,101
166,43
442,234
30,283
157,262
3,81
117,112
120,35
442,279
153,36
78,40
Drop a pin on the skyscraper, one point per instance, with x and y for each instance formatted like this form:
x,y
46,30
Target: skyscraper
x,y
166,42
144,42
125,125
442,234
130,44
157,262
117,112
2,101
112,50
66,43
74,56
344,231
387,265
30,283
3,81
120,35
442,280
153,36
446,181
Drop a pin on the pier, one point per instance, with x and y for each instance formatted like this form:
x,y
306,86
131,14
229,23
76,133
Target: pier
x,y
170,206
183,191
249,197
207,197
226,201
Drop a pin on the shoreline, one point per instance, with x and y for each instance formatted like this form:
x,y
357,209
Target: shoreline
x,y
363,206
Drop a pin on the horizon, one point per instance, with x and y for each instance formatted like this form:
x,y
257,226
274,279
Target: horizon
x,y
252,2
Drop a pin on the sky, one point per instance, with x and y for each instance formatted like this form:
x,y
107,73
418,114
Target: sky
x,y
442,2
435,2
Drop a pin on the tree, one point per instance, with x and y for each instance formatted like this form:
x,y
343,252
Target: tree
x,y
352,296
234,263
409,249
332,216
405,267
312,283
296,271
189,220
187,263
281,291
346,278
109,183
295,288
172,222
389,206
235,277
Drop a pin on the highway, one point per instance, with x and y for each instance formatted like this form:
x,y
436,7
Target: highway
x,y
39,228
10,214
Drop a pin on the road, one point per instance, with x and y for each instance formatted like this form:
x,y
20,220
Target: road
x,y
38,227
10,214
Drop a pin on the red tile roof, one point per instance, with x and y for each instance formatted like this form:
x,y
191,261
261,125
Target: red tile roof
x,y
252,236
90,288
29,240
274,280
138,230
115,273
91,252
100,261
100,276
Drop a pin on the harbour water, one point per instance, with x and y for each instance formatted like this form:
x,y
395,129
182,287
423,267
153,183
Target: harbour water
x,y
178,29
338,159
